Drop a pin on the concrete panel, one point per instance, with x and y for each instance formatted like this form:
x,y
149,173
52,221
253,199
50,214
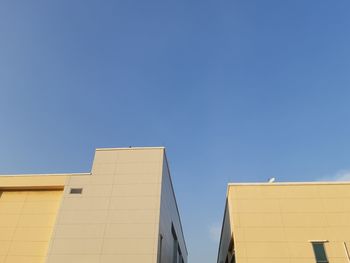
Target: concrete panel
x,y
133,216
131,246
129,258
91,231
76,246
74,258
130,231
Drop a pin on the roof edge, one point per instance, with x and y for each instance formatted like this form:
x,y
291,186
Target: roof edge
x,y
290,183
43,174
130,148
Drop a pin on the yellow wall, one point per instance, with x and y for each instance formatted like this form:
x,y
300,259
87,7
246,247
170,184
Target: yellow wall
x,y
276,222
26,223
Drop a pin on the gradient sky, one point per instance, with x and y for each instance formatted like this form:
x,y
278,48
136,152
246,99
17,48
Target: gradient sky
x,y
238,91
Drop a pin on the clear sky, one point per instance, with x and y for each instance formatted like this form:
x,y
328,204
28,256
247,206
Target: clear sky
x,y
238,91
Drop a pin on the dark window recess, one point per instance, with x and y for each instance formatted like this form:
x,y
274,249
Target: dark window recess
x,y
231,246
177,255
320,252
175,244
231,251
76,191
160,249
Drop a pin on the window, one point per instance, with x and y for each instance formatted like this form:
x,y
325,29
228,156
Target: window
x,y
76,191
177,254
320,253
160,249
231,246
175,245
231,251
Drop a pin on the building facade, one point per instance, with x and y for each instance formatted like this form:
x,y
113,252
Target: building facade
x,y
124,210
286,223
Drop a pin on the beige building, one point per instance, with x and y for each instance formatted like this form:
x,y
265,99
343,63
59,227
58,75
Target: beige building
x,y
286,223
123,211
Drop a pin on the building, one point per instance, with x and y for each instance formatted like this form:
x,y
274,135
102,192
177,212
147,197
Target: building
x,y
286,222
123,211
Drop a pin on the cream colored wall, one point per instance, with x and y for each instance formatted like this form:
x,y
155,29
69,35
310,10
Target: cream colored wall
x,y
169,215
275,222
116,217
26,220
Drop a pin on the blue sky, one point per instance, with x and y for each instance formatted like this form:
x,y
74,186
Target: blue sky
x,y
238,91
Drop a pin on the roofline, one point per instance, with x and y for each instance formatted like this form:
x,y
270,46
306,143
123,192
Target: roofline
x,y
289,183
86,173
131,148
49,174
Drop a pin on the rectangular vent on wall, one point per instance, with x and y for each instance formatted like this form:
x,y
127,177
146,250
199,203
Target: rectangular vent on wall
x,y
76,191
